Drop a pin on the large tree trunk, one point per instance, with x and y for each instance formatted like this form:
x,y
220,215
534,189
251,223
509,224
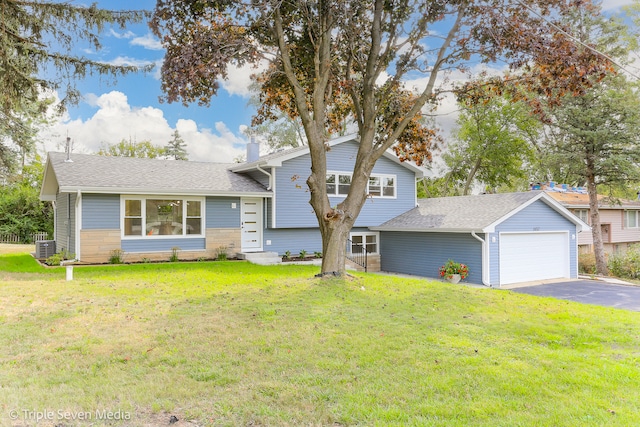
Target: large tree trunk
x,y
596,230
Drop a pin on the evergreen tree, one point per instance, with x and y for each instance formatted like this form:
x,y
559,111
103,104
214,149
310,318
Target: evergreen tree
x,y
37,42
176,148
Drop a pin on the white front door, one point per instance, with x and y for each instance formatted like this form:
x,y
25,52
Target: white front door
x,y
251,217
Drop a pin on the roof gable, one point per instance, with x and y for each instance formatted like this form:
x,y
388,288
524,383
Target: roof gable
x,y
127,175
276,159
480,213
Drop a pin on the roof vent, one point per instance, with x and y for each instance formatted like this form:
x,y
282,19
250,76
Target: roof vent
x,y
68,148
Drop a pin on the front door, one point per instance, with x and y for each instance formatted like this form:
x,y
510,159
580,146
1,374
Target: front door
x,y
251,225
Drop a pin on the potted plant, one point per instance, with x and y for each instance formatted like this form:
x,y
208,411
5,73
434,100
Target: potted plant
x,y
453,271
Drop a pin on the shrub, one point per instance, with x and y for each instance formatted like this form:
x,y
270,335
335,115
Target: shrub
x,y
57,258
116,256
587,263
626,264
174,254
317,254
221,253
303,254
287,255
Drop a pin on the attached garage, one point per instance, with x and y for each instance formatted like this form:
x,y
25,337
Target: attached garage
x,y
525,257
503,238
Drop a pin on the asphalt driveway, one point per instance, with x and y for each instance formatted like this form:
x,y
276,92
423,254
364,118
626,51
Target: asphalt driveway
x,y
589,292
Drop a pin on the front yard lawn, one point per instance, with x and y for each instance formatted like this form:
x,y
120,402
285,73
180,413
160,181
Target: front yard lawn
x,y
230,343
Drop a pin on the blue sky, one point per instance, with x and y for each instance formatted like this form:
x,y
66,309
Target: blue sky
x,y
130,109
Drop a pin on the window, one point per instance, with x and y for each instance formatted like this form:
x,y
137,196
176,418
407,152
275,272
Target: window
x,y
162,217
132,218
583,214
367,240
631,219
339,184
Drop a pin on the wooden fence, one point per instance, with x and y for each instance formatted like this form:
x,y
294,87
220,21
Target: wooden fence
x,y
14,238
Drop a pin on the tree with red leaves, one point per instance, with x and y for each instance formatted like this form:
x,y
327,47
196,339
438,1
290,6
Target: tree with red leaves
x,y
336,60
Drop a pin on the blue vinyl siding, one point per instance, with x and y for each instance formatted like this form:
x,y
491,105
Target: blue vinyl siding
x,y
292,194
163,245
537,217
422,254
100,211
221,214
293,240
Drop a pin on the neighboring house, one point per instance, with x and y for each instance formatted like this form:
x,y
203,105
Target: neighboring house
x,y
147,207
503,238
620,220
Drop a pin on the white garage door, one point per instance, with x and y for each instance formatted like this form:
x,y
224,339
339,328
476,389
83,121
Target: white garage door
x,y
533,256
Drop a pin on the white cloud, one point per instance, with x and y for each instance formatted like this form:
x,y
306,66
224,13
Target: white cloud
x,y
115,120
125,35
147,41
127,61
615,4
239,78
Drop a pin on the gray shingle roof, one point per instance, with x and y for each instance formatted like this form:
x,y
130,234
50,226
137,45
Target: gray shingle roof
x,y
103,173
462,213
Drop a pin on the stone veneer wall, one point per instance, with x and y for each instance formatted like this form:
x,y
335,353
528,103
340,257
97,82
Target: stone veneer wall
x,y
373,264
96,246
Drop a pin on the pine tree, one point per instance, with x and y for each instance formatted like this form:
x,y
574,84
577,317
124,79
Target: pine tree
x,y
176,148
37,42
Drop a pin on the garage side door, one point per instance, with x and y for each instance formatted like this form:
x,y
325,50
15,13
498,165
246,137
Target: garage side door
x,y
533,256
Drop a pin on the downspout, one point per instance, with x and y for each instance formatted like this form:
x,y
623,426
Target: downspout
x,y
78,223
485,260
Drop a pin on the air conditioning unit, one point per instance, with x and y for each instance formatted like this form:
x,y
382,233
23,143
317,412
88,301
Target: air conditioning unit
x,y
45,248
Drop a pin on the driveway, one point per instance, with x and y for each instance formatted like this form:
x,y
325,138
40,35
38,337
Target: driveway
x,y
589,292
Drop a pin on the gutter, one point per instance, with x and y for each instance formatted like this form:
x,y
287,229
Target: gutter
x,y
485,259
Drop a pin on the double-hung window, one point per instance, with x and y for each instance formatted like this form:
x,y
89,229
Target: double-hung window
x,y
583,214
631,219
382,186
339,184
169,216
360,240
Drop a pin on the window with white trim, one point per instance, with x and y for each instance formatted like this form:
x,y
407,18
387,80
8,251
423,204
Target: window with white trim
x,y
367,240
631,219
339,184
162,216
583,214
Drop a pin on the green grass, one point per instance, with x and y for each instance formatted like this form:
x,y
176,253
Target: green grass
x,y
230,343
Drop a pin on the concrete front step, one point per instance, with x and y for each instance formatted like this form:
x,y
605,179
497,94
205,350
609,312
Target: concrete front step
x,y
261,258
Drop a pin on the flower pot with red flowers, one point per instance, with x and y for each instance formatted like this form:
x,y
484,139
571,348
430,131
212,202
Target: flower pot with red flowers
x,y
453,271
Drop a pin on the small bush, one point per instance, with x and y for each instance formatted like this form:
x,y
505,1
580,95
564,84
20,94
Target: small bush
x,y
221,253
303,254
317,254
56,259
287,255
174,254
626,264
116,256
587,263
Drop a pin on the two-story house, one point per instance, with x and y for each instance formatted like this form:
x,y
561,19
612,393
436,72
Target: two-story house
x,y
619,220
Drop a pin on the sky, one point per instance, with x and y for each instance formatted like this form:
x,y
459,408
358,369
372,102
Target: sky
x,y
129,108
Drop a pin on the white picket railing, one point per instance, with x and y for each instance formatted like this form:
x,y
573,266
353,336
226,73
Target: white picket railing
x,y
14,238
